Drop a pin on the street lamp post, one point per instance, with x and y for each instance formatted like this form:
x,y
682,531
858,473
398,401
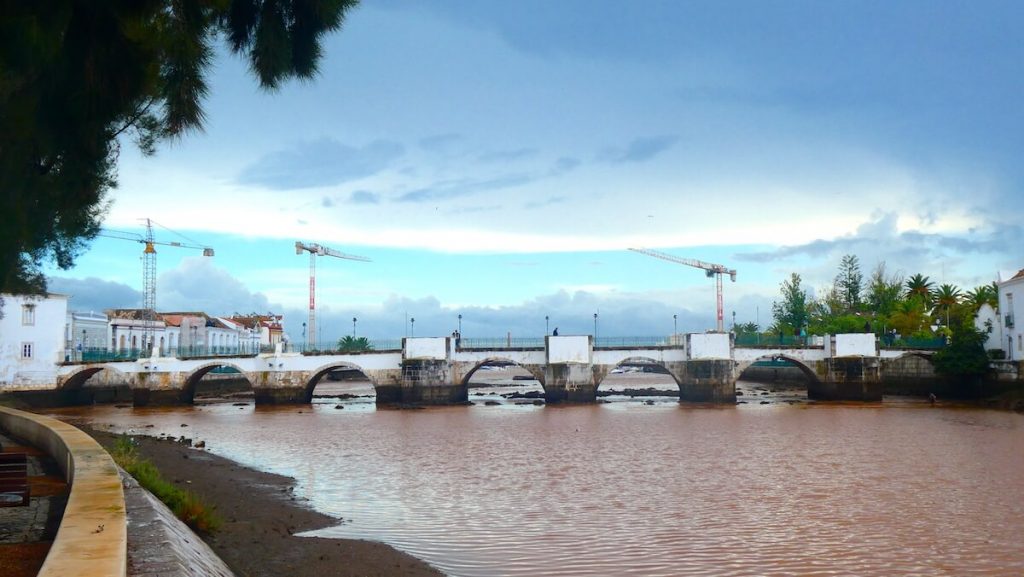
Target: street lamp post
x,y
83,344
546,326
733,321
460,325
595,329
304,339
353,327
412,323
675,325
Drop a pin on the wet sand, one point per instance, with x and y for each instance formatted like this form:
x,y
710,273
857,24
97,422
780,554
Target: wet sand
x,y
261,516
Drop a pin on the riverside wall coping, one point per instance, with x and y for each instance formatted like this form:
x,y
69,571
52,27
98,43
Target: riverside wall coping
x,y
92,540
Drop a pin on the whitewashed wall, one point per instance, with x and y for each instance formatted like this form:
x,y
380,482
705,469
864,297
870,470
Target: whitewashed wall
x,y
569,349
708,346
45,335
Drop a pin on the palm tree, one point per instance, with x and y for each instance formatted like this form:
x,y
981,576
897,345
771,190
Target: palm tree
x,y
947,296
982,295
919,286
350,344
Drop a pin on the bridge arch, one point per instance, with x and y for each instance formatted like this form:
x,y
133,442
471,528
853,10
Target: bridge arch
x,y
638,364
77,379
536,372
806,371
322,371
188,391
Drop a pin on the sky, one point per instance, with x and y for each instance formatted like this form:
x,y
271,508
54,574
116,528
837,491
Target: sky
x,y
496,159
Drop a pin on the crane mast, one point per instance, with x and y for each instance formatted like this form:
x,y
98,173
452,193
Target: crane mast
x,y
314,251
710,269
149,273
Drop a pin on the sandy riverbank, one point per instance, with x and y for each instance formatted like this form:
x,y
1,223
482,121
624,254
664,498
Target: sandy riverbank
x,y
261,516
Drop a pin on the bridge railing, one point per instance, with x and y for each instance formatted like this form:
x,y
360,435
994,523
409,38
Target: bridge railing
x,y
761,340
329,347
500,343
617,342
101,355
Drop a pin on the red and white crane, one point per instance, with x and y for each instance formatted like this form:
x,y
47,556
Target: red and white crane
x,y
712,270
316,250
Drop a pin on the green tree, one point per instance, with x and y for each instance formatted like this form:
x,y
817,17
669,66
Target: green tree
x,y
849,282
350,344
884,291
792,311
964,357
982,295
77,76
946,297
920,287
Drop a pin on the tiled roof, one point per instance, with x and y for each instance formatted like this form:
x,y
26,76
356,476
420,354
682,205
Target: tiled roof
x,y
1020,274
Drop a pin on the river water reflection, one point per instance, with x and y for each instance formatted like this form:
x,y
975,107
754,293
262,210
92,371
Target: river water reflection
x,y
628,488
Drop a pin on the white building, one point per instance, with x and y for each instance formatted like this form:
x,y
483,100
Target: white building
x,y
32,339
989,322
86,330
128,331
1011,308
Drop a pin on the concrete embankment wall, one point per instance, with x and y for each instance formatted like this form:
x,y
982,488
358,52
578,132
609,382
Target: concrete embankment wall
x,y
92,538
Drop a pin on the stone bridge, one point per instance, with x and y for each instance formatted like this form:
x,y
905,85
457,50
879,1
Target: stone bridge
x,y
435,370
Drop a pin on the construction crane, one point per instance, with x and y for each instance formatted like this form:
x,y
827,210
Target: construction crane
x,y
712,270
149,271
316,250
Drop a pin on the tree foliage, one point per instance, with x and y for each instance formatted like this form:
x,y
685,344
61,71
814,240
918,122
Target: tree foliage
x,y
792,311
965,355
849,282
350,344
77,76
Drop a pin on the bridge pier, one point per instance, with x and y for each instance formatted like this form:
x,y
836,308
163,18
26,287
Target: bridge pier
x,y
569,382
848,379
429,382
707,381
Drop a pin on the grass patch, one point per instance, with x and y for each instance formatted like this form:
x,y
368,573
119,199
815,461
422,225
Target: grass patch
x,y
185,504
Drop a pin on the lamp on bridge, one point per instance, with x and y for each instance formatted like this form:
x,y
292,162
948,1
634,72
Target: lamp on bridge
x,y
546,326
353,327
595,329
460,324
82,346
412,323
675,325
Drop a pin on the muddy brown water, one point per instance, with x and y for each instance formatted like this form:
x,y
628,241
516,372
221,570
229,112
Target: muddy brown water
x,y
631,488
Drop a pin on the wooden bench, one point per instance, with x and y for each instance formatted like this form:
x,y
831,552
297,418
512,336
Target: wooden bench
x,y
13,480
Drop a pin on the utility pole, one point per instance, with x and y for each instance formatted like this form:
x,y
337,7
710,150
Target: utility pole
x,y
316,250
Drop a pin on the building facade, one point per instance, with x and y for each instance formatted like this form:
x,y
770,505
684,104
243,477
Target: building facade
x,y
1011,309
32,339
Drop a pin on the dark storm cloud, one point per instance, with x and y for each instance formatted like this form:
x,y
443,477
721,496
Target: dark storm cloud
x,y
94,294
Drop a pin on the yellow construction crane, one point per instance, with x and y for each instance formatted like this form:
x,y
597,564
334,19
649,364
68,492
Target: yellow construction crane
x,y
149,270
316,250
712,270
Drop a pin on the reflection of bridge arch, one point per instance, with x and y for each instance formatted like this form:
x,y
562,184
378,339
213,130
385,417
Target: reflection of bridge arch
x,y
188,391
78,378
534,371
812,377
319,373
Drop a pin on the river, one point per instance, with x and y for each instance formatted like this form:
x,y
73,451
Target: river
x,y
642,486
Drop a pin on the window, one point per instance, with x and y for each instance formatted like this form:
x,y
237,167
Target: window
x,y
28,315
26,350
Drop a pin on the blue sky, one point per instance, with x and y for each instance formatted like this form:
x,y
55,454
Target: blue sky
x,y
496,160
